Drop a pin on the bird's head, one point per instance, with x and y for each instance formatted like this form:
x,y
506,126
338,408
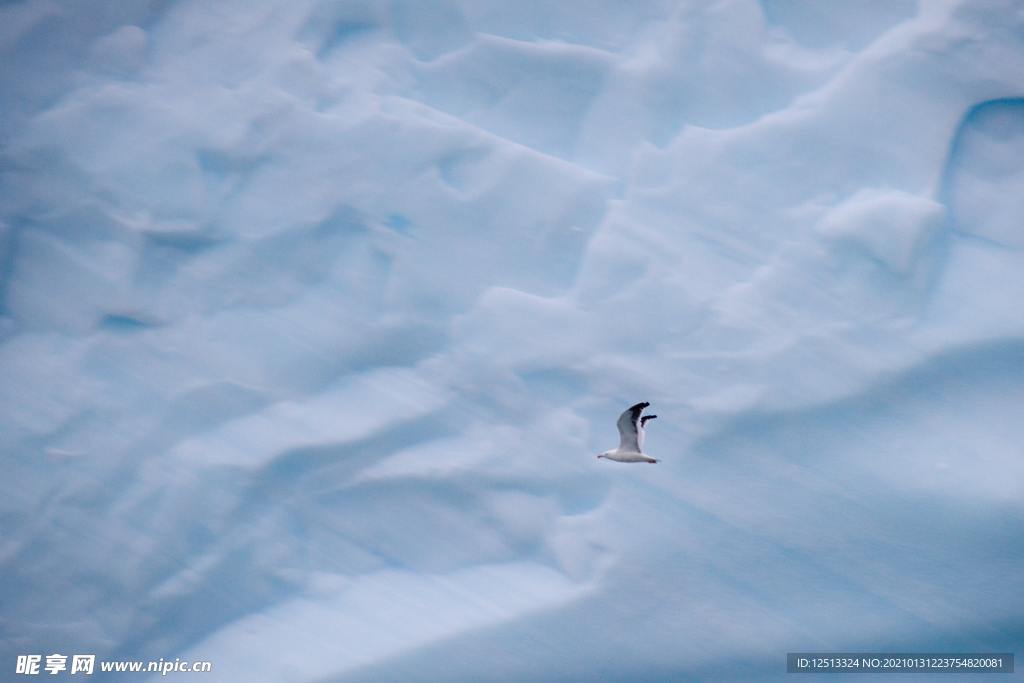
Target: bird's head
x,y
602,455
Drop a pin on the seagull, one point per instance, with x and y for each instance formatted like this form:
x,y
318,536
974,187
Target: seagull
x,y
631,436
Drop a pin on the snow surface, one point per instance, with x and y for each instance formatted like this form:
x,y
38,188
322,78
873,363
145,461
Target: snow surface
x,y
313,316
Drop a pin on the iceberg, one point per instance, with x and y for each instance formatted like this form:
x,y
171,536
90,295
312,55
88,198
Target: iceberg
x,y
313,316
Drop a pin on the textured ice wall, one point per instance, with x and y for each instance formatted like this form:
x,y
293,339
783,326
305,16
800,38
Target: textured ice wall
x,y
314,315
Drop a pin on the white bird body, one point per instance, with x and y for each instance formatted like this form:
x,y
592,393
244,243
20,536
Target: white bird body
x,y
626,456
631,436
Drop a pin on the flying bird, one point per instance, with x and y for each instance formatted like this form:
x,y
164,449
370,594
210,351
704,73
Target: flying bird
x,y
631,436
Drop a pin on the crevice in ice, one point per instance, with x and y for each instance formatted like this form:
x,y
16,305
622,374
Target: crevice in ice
x,y
985,165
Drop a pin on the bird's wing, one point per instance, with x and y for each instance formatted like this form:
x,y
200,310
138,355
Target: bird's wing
x,y
641,432
628,424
